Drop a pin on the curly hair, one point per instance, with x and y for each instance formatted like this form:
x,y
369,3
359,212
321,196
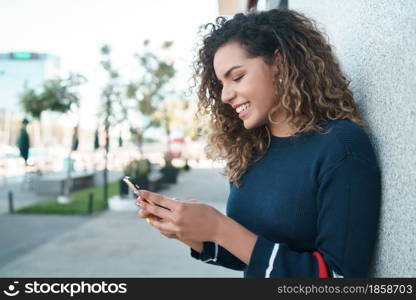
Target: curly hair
x,y
313,89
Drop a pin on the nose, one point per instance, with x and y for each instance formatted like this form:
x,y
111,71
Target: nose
x,y
227,94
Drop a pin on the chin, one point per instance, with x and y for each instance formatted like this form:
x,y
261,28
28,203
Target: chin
x,y
249,124
253,121
246,127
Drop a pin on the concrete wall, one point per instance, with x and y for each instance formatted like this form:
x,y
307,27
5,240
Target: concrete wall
x,y
375,41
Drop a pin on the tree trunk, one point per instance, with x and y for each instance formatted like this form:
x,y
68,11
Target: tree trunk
x,y
140,139
38,141
167,128
68,182
107,146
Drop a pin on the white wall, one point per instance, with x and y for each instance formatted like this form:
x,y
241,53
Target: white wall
x,y
375,41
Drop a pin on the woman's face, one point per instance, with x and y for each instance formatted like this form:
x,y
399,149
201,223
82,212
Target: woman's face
x,y
247,81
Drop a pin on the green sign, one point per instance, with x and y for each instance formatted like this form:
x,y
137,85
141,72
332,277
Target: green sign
x,y
21,55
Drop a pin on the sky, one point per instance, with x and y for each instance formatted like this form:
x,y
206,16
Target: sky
x,y
75,30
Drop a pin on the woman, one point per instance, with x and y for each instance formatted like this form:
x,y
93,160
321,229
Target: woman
x,y
305,186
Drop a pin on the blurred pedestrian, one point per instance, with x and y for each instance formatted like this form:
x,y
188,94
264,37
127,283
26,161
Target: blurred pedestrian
x,y
23,141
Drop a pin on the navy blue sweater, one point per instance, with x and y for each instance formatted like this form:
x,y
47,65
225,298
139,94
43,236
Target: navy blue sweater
x,y
310,192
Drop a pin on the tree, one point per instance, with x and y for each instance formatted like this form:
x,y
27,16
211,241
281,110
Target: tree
x,y
32,102
139,99
57,95
149,89
33,105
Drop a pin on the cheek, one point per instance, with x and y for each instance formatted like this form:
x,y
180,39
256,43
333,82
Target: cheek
x,y
259,112
262,107
264,102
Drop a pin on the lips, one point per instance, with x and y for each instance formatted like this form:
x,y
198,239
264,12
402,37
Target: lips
x,y
238,105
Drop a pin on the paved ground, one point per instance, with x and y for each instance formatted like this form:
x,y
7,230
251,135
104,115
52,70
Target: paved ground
x,y
112,244
21,234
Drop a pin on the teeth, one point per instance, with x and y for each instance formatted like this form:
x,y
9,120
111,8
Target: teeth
x,y
242,108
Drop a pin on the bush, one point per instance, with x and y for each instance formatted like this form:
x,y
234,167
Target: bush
x,y
138,168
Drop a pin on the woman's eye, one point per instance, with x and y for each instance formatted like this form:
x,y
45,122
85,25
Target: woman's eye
x,y
238,78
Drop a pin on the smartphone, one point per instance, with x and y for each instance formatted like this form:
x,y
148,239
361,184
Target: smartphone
x,y
136,189
130,182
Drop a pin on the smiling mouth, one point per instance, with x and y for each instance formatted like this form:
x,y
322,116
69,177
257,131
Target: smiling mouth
x,y
243,107
245,112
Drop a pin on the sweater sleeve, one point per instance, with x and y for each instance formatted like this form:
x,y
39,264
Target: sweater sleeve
x,y
214,254
348,201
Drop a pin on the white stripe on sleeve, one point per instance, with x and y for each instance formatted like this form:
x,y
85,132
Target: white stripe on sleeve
x,y
271,261
335,275
215,256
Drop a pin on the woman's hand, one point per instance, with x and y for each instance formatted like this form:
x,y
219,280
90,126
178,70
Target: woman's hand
x,y
190,220
149,217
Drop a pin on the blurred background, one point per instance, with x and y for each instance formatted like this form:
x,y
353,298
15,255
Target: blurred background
x,y
95,75
91,91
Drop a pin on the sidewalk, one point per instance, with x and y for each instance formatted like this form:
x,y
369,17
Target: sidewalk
x,y
112,244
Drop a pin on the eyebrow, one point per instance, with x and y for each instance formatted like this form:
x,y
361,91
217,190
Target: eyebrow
x,y
226,74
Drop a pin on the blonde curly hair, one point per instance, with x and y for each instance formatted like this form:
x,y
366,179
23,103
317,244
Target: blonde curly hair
x,y
313,89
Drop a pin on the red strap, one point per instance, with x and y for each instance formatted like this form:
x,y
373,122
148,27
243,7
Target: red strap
x,y
323,272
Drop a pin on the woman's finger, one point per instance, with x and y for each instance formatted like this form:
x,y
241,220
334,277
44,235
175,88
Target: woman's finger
x,y
145,214
162,213
158,199
162,225
141,199
193,201
142,213
169,234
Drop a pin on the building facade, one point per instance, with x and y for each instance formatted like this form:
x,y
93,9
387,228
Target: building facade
x,y
18,69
